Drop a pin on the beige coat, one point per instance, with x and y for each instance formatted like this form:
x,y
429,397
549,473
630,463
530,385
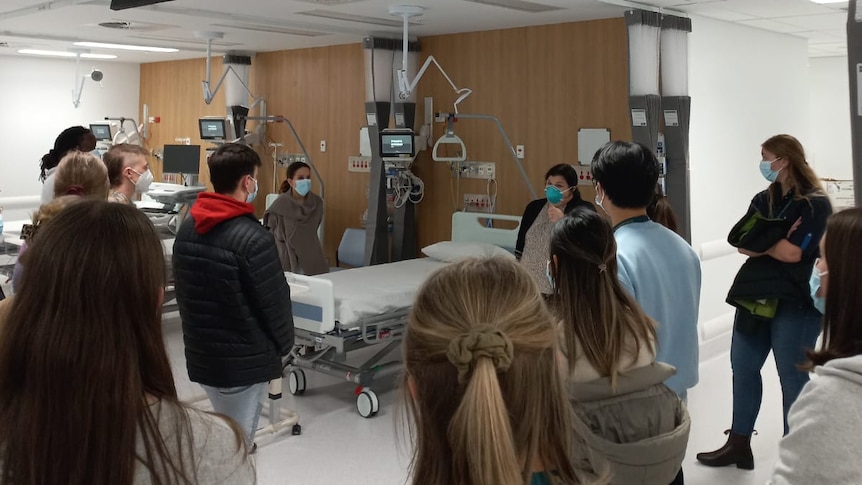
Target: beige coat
x,y
293,223
637,433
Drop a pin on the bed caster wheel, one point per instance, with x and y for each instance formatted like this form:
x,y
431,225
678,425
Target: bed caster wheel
x,y
367,403
297,430
296,382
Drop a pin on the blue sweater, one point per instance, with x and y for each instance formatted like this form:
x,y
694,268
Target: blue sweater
x,y
662,272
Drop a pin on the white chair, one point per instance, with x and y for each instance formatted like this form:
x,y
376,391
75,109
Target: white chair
x,y
351,249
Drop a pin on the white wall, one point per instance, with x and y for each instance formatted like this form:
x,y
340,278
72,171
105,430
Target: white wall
x,y
830,148
36,104
746,85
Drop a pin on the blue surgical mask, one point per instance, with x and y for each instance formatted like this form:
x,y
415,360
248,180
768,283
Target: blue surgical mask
x,y
548,274
303,187
767,172
554,194
814,283
252,195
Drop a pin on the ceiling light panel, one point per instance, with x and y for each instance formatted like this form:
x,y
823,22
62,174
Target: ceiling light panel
x,y
520,5
41,52
125,47
347,17
271,29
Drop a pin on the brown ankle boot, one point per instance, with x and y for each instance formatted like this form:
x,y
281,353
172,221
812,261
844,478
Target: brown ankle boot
x,y
737,451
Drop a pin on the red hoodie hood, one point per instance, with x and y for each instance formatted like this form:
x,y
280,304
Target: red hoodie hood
x,y
212,209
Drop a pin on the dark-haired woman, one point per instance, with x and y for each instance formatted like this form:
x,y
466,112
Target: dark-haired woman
x,y
825,422
85,327
561,196
73,138
294,219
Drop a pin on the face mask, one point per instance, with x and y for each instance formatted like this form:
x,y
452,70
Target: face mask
x,y
767,172
303,187
599,201
814,283
144,181
548,274
554,194
252,195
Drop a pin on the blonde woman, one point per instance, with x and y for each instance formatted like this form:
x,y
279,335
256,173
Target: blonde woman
x,y
774,308
484,380
78,176
626,420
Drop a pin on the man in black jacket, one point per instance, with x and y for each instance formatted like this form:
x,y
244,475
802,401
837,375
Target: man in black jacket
x,y
232,295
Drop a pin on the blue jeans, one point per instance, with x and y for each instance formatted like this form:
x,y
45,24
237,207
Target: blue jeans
x,y
242,404
793,330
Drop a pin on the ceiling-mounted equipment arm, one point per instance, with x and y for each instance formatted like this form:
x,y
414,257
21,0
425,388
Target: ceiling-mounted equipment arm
x,y
209,94
405,85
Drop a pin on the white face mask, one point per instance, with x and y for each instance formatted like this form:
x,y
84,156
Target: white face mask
x,y
144,181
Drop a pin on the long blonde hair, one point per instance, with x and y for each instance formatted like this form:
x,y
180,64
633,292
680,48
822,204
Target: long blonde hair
x,y
597,312
486,386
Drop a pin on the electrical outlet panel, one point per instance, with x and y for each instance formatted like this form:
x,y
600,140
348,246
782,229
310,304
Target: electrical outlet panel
x,y
478,170
359,164
285,159
477,203
585,176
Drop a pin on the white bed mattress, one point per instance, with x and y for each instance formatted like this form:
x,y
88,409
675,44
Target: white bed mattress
x,y
375,290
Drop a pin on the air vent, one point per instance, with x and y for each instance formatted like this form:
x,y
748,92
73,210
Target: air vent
x,y
4,45
520,5
361,19
116,25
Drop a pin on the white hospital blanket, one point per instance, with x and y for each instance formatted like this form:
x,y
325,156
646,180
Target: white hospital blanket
x,y
376,290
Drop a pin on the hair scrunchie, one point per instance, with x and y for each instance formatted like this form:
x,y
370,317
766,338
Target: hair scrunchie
x,y
74,190
484,341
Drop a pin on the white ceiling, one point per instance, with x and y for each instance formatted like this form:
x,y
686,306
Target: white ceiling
x,y
269,25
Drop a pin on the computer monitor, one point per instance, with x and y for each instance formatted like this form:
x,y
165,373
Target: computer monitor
x,y
397,144
185,159
212,128
102,131
238,116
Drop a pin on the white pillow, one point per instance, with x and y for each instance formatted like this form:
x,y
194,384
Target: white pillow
x,y
449,251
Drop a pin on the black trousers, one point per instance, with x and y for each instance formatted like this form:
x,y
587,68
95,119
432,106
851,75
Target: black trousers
x,y
679,479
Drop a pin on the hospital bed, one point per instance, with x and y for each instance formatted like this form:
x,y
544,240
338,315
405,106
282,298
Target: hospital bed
x,y
345,311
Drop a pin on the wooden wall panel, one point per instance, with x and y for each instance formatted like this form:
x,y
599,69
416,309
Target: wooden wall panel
x,y
173,92
544,83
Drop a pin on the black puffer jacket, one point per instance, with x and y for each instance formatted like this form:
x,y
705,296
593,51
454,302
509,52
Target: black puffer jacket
x,y
233,298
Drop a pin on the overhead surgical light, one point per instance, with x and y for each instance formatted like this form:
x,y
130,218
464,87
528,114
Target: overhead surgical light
x,y
125,47
405,85
95,75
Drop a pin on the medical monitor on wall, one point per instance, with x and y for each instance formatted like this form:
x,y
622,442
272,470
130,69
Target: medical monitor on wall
x,y
212,128
102,131
185,159
396,144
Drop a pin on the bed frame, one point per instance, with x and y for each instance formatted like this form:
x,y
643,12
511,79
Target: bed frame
x,y
322,345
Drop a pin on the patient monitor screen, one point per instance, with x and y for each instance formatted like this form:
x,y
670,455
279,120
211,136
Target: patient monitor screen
x,y
102,132
396,144
184,159
212,129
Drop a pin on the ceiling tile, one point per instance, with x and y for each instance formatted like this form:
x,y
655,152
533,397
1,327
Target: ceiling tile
x,y
774,8
819,36
720,14
831,21
775,26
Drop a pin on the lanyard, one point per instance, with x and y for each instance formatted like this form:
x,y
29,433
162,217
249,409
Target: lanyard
x,y
631,221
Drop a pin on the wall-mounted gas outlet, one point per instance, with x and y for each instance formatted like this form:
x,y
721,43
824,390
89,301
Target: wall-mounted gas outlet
x,y
285,159
585,176
477,203
478,170
519,151
359,164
